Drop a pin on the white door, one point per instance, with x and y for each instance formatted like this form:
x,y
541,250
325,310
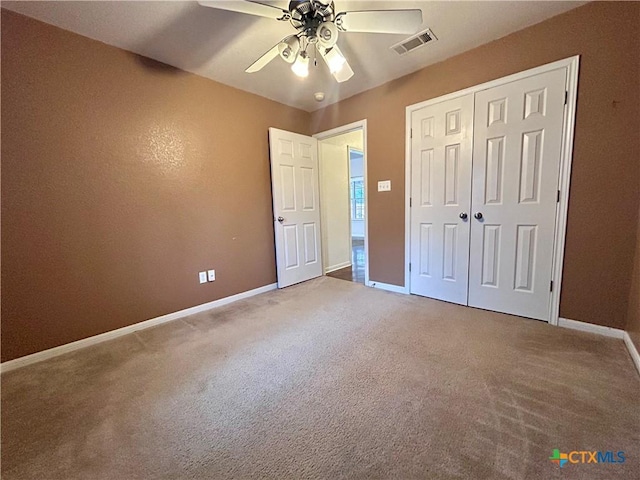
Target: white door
x,y
441,147
516,158
294,183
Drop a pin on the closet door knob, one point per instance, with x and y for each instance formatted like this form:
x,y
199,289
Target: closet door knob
x,y
463,216
478,215
281,219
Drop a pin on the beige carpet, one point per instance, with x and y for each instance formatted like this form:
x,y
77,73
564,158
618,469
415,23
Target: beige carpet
x,y
327,379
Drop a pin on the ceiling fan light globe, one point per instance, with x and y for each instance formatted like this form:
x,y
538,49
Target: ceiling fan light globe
x,y
301,66
327,34
289,49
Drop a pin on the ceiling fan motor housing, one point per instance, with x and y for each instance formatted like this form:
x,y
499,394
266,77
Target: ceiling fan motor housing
x,y
308,15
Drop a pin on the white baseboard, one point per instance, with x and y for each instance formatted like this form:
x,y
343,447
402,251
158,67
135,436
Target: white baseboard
x,y
86,342
333,268
633,351
591,328
607,332
387,286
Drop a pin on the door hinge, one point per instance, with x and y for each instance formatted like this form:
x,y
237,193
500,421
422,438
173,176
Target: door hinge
x,y
409,266
551,286
411,133
410,202
566,97
558,197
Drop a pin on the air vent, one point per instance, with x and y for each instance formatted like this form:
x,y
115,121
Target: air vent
x,y
416,41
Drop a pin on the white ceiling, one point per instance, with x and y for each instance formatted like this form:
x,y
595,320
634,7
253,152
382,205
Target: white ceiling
x,y
220,44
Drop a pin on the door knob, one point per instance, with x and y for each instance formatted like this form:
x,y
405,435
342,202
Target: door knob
x,y
463,216
478,215
281,219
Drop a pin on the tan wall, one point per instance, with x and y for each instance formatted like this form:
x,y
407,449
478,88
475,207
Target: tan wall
x,y
604,184
633,315
121,179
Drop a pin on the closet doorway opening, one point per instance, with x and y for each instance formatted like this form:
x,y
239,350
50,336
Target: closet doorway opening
x,y
343,202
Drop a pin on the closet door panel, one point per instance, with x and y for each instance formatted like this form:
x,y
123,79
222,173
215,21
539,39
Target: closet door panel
x,y
440,192
516,158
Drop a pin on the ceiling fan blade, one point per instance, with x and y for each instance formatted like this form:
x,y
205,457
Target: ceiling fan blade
x,y
249,7
380,21
345,73
342,74
264,59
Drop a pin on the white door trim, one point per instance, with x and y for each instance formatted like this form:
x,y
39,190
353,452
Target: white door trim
x,y
361,124
566,157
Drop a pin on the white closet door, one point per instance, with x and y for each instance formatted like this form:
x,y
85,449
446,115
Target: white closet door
x,y
516,157
294,183
440,196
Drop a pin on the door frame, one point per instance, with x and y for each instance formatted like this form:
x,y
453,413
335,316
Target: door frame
x,y
566,157
359,125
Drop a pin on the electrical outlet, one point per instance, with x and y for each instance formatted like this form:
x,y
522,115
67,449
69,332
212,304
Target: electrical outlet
x,y
212,275
384,186
203,277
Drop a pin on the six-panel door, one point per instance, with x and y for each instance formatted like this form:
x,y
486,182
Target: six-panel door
x,y
440,198
294,179
516,158
500,166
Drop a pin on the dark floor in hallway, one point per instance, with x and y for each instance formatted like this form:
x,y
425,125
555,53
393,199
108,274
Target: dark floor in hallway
x,y
354,273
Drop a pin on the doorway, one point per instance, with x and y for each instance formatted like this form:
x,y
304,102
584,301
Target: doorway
x,y
343,205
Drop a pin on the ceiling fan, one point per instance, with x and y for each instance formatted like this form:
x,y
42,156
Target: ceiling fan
x,y
318,26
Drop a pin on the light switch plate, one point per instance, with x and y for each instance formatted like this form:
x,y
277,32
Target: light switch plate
x,y
384,186
203,277
211,275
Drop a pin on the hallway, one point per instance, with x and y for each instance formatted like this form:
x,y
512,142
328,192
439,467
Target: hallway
x,y
354,273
